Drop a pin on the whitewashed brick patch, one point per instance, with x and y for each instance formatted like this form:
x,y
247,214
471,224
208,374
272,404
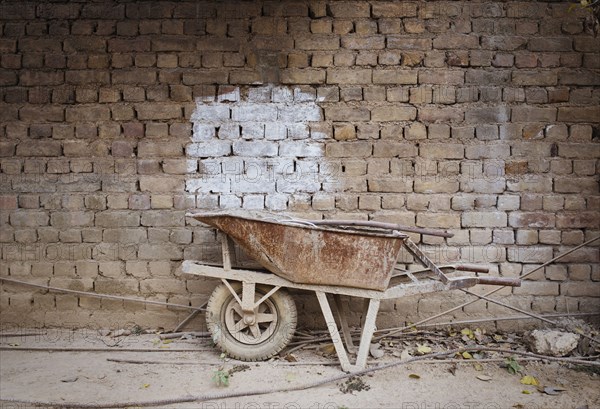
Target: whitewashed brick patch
x,y
254,148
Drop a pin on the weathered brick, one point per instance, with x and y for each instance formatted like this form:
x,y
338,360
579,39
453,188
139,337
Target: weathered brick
x,y
41,78
579,78
348,149
204,77
349,9
133,77
159,149
575,185
408,43
50,113
90,113
484,77
390,149
349,76
438,220
579,114
533,114
39,148
103,11
484,219
87,77
359,42
164,251
23,218
534,78
434,184
117,219
574,220
504,43
550,44
389,185
63,220
300,112
158,111
394,77
531,219
393,113
208,149
301,149
443,114
303,76
487,115
442,151
173,43
443,77
456,41
394,9
571,289
347,113
84,43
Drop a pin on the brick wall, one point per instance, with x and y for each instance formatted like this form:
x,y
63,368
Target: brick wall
x,y
116,117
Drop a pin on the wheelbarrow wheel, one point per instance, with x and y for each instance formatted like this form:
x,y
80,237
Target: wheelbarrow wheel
x,y
272,330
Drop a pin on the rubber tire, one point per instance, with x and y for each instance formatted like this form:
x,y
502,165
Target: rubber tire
x,y
282,335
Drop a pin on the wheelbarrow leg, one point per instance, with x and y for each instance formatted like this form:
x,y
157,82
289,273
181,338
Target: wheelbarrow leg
x,y
367,334
365,339
227,250
333,331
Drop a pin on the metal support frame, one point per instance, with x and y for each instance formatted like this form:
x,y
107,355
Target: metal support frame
x,y
365,339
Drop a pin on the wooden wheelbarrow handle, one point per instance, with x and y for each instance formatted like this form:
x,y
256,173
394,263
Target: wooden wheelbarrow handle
x,y
511,282
471,267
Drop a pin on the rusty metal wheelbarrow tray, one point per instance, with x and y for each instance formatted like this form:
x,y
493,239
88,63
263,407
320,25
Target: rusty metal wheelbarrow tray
x,y
297,254
304,253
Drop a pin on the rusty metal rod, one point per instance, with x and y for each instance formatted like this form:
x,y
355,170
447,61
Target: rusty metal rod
x,y
382,225
99,295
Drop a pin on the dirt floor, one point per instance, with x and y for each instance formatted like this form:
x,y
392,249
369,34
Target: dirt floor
x,y
186,367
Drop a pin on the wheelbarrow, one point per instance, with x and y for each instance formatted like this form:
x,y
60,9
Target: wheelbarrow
x,y
251,316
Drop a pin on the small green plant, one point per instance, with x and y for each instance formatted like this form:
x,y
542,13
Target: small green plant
x,y
512,366
221,377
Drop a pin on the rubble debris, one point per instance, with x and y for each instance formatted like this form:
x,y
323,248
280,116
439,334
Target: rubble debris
x,y
552,342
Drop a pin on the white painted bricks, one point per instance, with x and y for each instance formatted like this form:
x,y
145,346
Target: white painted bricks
x,y
251,148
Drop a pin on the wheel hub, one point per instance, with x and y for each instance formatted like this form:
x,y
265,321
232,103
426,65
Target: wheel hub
x,y
254,327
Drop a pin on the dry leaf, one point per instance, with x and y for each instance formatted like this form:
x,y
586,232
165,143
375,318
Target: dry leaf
x,y
290,358
327,349
526,392
484,378
146,385
468,333
423,349
529,380
549,390
478,367
467,355
414,376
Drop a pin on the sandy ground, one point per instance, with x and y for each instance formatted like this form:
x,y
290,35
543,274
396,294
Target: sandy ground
x,y
89,377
